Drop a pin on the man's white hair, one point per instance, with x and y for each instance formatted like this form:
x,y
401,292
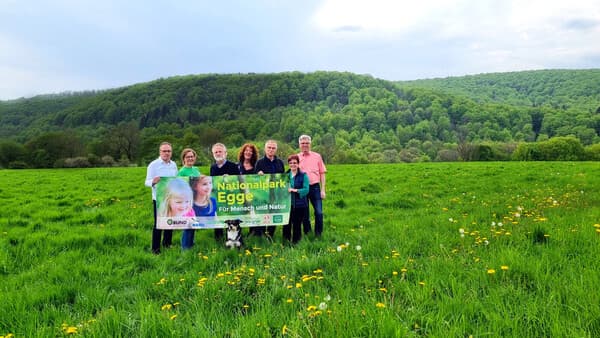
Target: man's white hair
x,y
304,137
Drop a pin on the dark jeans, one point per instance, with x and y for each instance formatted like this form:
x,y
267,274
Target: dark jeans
x,y
219,234
314,196
187,238
293,230
156,234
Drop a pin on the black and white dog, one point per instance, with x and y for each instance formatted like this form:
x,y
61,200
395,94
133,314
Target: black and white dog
x,y
234,234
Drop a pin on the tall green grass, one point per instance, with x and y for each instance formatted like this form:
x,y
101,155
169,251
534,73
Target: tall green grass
x,y
457,250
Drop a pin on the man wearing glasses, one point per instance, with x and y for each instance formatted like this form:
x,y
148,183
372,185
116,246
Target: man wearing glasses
x,y
162,166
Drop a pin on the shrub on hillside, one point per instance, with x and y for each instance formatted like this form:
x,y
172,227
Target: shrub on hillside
x,y
555,149
447,155
108,161
592,153
77,162
17,165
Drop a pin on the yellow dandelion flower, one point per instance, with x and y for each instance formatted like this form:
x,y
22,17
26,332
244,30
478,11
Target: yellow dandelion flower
x,y
422,283
284,330
380,305
298,285
597,225
71,330
318,271
403,270
246,306
289,300
384,290
173,317
491,271
394,273
311,308
504,267
166,307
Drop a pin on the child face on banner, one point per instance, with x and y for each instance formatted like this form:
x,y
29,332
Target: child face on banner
x,y
204,187
179,205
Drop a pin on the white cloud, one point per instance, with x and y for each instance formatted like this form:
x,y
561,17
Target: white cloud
x,y
375,17
475,36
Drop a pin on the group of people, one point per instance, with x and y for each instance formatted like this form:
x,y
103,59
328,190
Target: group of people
x,y
306,176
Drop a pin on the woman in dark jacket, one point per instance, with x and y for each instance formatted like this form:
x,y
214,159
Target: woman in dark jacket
x,y
299,187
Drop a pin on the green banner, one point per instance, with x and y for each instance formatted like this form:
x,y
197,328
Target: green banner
x,y
206,202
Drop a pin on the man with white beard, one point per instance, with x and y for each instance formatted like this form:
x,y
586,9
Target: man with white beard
x,y
222,167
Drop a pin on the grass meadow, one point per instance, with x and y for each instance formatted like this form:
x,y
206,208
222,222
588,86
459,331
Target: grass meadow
x,y
409,250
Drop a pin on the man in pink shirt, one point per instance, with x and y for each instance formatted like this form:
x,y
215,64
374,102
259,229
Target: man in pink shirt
x,y
312,164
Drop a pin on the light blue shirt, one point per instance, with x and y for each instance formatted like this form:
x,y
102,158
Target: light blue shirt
x,y
159,168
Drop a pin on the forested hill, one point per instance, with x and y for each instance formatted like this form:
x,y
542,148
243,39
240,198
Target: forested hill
x,y
353,118
186,100
562,89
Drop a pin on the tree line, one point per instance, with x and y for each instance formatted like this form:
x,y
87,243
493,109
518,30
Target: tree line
x,y
352,118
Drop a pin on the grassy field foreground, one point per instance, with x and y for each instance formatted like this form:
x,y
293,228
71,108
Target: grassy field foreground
x,y
436,249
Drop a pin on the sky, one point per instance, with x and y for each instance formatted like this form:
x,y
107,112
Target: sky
x,y
55,46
